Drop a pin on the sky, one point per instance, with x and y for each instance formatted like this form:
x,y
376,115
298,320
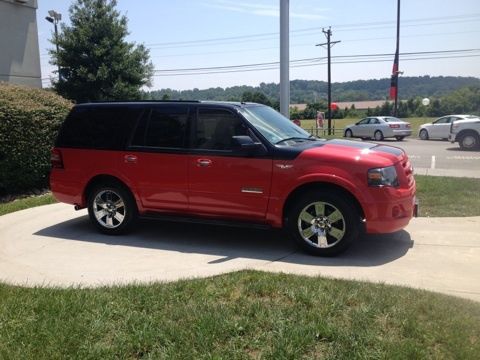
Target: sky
x,y
229,36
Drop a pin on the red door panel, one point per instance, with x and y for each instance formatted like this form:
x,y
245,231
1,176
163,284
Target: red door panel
x,y
227,186
160,179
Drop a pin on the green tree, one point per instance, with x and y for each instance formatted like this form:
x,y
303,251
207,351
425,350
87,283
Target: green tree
x,y
95,60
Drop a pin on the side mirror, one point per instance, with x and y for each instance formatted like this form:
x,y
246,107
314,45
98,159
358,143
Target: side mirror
x,y
246,145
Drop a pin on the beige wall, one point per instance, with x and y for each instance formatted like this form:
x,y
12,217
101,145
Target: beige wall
x,y
19,53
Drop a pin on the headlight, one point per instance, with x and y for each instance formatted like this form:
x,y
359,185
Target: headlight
x,y
383,177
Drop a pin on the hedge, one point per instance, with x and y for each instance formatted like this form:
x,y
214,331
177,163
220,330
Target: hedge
x,y
29,122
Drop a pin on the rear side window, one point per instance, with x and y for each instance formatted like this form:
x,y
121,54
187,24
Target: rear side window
x,y
104,128
162,127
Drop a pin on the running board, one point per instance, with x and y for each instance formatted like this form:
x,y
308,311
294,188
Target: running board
x,y
206,221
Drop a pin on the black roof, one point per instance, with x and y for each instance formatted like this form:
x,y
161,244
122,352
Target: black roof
x,y
229,104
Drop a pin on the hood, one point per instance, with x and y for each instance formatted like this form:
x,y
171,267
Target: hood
x,y
371,154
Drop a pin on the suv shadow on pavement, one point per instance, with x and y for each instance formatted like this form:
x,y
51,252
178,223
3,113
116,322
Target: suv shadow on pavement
x,y
232,243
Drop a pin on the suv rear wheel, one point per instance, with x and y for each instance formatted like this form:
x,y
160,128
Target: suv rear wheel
x,y
323,223
112,209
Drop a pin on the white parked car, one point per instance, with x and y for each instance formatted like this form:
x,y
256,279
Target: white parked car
x,y
466,133
440,128
379,127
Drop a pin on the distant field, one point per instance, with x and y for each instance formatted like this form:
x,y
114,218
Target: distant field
x,y
340,124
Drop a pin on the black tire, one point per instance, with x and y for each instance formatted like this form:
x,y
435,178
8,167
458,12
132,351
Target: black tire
x,y
469,141
112,209
378,135
326,234
399,138
423,134
348,133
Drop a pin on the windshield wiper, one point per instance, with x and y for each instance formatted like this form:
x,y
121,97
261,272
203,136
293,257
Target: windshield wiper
x,y
311,138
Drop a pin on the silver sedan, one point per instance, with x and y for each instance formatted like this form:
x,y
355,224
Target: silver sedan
x,y
379,127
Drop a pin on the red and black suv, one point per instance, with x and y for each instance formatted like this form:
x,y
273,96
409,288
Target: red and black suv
x,y
227,162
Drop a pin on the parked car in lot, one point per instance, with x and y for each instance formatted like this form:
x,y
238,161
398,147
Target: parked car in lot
x,y
227,163
466,133
378,128
440,128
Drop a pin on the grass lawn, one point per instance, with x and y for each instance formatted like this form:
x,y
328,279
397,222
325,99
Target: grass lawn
x,y
26,203
241,315
448,196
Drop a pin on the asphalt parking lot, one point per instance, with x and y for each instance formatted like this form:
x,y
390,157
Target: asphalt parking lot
x,y
439,157
54,245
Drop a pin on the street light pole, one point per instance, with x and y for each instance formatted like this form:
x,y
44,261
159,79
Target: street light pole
x,y
54,18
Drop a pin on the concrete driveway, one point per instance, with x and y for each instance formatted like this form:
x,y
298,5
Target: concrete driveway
x,y
55,246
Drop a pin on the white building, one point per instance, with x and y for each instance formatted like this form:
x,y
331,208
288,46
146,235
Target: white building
x,y
19,52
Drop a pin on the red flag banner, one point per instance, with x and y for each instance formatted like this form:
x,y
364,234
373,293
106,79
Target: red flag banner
x,y
394,80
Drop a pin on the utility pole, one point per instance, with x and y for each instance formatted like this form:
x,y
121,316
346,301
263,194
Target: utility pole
x,y
329,44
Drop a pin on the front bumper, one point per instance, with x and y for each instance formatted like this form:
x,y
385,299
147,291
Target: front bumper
x,y
392,213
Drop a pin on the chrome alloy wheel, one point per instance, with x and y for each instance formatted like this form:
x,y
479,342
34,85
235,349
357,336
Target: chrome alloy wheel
x,y
321,224
109,209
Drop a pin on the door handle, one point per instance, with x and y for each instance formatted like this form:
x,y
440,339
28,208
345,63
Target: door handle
x,y
130,158
204,162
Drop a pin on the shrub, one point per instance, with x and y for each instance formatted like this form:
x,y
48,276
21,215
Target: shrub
x,y
29,122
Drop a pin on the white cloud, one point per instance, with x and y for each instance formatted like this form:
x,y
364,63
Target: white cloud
x,y
263,9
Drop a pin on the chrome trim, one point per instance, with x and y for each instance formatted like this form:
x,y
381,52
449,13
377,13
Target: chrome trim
x,y
252,190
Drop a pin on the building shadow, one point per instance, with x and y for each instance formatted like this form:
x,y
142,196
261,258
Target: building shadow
x,y
231,243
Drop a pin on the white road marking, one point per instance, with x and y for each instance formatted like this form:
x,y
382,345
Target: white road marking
x,y
432,166
463,157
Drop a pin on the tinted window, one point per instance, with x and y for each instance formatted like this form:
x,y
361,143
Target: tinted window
x,y
107,128
214,129
162,127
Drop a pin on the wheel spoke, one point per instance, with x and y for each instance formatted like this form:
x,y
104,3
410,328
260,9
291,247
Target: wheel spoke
x,y
119,204
305,216
99,202
100,214
119,217
322,240
109,221
319,208
335,216
336,233
308,232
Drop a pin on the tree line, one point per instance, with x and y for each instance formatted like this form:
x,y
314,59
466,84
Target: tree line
x,y
465,100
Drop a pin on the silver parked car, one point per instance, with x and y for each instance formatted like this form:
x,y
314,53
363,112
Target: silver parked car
x,y
440,128
379,127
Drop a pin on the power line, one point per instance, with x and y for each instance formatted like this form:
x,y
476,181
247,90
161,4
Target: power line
x,y
314,60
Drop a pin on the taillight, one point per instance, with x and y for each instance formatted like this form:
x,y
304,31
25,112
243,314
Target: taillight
x,y
407,125
394,126
56,160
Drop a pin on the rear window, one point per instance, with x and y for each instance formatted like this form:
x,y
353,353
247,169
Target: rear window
x,y
104,128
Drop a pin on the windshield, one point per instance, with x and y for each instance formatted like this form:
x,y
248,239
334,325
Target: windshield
x,y
272,125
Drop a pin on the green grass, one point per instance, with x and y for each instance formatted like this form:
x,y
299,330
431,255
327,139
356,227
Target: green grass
x,y
25,203
448,196
235,316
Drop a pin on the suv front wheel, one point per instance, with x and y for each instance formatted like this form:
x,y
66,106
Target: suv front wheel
x,y
323,223
112,209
